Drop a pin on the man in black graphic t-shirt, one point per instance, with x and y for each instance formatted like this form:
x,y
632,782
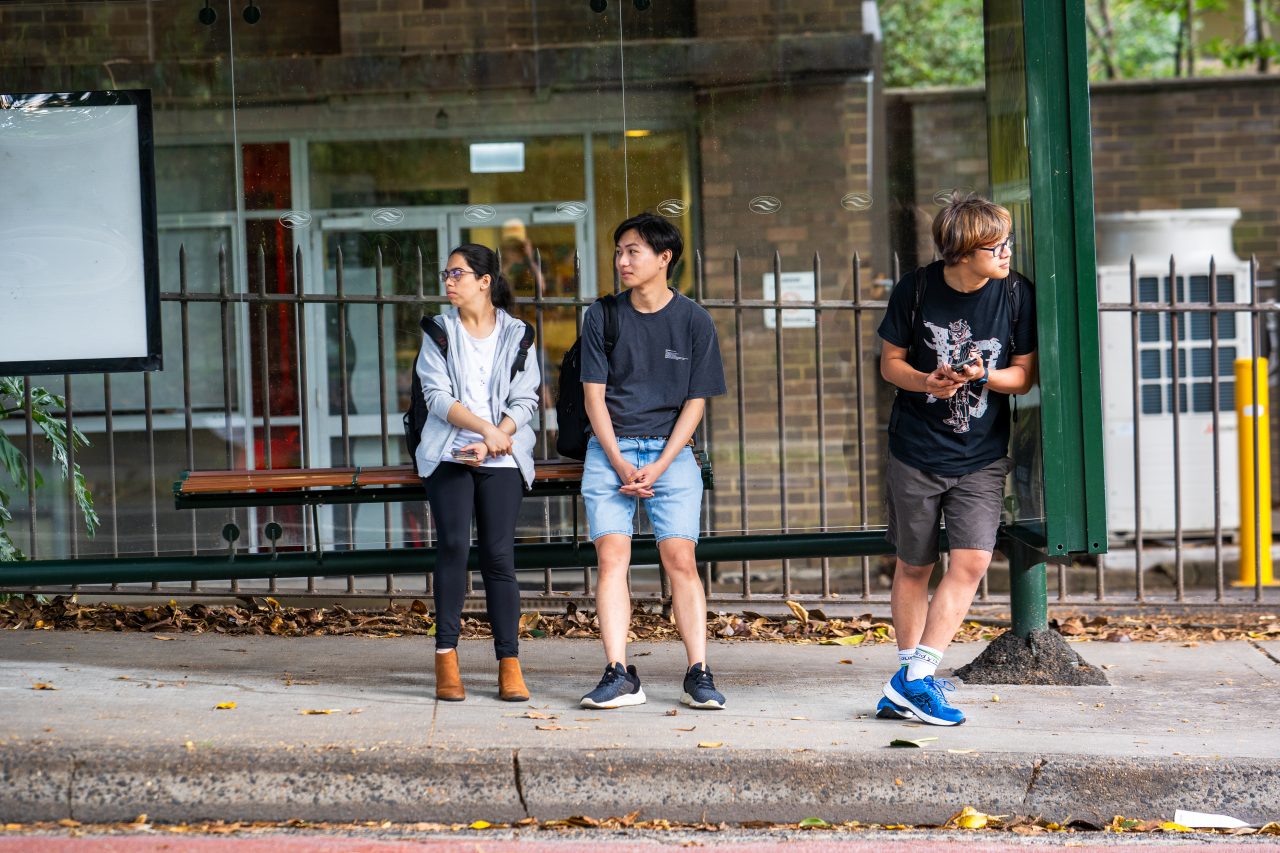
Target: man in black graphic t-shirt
x,y
959,339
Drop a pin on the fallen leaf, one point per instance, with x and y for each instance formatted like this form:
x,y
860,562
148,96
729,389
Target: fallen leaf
x,y
799,718
710,744
995,697
315,712
40,685
552,727
191,747
225,706
673,712
162,637
800,612
538,715
918,742
854,640
844,661
682,729
479,824
962,751
812,821
68,822
139,820
969,818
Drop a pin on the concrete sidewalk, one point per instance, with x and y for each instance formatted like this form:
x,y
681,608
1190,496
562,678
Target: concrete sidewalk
x,y
132,728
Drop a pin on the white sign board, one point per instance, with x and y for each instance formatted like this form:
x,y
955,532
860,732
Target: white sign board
x,y
796,287
79,284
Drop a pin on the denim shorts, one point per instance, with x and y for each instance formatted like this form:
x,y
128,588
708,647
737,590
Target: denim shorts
x,y
675,508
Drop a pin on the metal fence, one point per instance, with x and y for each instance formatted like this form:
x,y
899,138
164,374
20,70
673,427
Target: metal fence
x,y
797,445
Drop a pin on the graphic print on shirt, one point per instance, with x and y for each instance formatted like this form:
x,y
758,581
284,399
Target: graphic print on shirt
x,y
952,342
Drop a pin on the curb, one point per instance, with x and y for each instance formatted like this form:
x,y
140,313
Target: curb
x,y
338,784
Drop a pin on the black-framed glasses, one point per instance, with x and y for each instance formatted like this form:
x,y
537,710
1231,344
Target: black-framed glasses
x,y
998,250
455,274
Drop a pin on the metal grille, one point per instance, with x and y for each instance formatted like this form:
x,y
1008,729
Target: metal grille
x,y
786,457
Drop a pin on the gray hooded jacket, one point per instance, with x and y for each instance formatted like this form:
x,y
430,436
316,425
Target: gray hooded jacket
x,y
516,398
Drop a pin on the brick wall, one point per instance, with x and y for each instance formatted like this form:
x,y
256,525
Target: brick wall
x,y
806,146
1156,145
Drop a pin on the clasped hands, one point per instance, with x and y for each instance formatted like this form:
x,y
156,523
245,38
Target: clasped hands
x,y
638,482
496,443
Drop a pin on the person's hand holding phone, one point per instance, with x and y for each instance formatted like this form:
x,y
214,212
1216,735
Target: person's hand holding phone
x,y
967,368
471,454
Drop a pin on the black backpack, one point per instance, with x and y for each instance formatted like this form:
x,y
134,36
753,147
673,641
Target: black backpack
x,y
571,411
416,418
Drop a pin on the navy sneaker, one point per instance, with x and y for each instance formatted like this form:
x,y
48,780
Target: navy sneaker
x,y
890,710
924,697
618,688
700,690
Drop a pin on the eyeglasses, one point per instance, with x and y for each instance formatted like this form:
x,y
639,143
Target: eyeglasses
x,y
455,274
997,251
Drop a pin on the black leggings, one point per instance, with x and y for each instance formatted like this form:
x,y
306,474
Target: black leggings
x,y
492,495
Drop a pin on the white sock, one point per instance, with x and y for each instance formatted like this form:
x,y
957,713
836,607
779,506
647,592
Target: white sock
x,y
923,663
904,656
444,651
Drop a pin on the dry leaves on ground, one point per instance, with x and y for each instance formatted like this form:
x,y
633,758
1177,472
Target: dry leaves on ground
x,y
967,818
266,616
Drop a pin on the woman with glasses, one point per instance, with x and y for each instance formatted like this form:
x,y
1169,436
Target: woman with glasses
x,y
476,456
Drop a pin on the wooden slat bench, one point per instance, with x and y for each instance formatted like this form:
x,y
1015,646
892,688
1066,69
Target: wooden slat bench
x,y
359,484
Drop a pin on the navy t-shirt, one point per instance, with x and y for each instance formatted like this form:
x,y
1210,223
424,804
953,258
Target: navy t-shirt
x,y
970,430
659,361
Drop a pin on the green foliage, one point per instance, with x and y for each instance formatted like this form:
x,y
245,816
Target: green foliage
x,y
938,43
14,461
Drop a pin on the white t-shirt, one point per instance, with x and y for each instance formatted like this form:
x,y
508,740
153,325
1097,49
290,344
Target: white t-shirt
x,y
476,357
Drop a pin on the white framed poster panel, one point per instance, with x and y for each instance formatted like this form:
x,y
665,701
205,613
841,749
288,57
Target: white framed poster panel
x,y
80,279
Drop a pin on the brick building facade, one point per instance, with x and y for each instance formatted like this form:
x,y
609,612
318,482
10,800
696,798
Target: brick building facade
x,y
1167,144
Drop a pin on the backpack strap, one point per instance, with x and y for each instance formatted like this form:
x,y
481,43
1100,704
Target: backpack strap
x,y
609,303
921,281
522,355
431,328
1013,292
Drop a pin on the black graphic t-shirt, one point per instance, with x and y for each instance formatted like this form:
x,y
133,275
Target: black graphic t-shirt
x,y
659,361
971,430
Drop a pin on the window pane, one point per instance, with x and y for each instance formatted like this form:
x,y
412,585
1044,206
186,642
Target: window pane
x,y
1150,360
1226,326
1199,288
1200,326
1226,288
1226,395
1148,291
1202,397
1202,362
1151,402
1149,328
1226,361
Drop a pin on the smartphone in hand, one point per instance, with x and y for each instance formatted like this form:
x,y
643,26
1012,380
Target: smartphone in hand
x,y
464,455
959,364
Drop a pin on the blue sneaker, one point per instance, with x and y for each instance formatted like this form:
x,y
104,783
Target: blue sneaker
x,y
890,710
700,690
925,697
618,688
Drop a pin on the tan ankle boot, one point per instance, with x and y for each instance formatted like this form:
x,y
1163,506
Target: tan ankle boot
x,y
448,679
510,682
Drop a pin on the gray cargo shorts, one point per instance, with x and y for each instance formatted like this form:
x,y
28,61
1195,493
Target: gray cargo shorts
x,y
917,500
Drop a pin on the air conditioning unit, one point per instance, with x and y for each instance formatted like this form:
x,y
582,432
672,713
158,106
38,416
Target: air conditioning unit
x,y
1192,238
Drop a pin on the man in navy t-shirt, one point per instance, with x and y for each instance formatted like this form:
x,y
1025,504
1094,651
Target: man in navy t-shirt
x,y
645,399
959,339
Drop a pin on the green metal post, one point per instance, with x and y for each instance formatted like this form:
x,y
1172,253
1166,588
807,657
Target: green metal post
x,y
1028,595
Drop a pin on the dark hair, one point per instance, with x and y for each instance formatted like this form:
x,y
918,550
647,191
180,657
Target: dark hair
x,y
659,234
484,261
